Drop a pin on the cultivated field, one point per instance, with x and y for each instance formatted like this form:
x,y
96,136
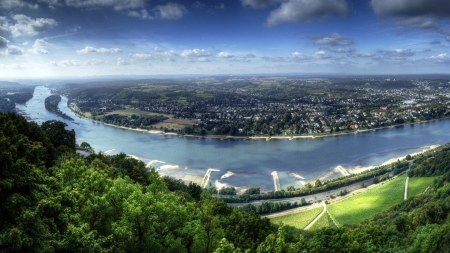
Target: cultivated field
x,y
365,205
322,222
129,112
417,185
170,123
299,220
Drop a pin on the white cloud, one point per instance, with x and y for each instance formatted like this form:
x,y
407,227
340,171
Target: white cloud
x,y
363,54
170,11
15,4
143,14
121,61
39,47
14,50
440,58
64,63
333,39
4,26
116,4
224,55
142,56
15,66
321,55
411,8
27,26
261,3
195,53
416,22
51,3
294,57
198,5
75,29
94,62
3,42
399,53
307,10
340,49
93,50
421,14
203,59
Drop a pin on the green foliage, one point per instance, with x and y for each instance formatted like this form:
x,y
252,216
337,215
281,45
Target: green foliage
x,y
227,191
51,104
55,201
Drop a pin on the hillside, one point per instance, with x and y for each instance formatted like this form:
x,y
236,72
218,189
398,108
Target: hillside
x,y
55,201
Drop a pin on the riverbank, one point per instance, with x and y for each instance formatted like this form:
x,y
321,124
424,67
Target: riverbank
x,y
267,138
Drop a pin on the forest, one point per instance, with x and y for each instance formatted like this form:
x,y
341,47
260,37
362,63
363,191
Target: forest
x,y
56,201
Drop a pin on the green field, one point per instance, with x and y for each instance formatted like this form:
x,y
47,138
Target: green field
x,y
324,221
129,112
299,220
365,205
417,185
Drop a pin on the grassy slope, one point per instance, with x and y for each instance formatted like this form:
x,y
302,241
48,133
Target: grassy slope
x,y
417,185
324,221
365,205
299,220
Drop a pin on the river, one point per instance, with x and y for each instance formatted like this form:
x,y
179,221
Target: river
x,y
249,163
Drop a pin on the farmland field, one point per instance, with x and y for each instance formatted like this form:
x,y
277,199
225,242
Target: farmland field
x,y
299,220
324,221
365,205
129,112
417,185
169,123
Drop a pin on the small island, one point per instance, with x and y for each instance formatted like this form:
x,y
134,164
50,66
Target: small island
x,y
51,104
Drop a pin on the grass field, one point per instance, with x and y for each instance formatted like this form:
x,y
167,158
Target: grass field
x,y
365,205
170,123
324,221
299,220
129,112
417,185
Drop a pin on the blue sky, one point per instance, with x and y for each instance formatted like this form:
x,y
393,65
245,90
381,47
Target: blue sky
x,y
46,38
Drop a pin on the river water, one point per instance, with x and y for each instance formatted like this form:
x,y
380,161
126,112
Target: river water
x,y
249,163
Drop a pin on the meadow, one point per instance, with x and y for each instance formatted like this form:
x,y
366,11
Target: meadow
x,y
300,219
322,222
417,185
366,204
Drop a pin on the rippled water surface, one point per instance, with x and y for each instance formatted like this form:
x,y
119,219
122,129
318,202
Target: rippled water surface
x,y
250,162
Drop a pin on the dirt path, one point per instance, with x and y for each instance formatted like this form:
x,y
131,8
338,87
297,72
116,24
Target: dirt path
x,y
406,189
289,211
318,216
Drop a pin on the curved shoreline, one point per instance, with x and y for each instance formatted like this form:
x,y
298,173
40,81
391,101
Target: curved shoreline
x,y
267,138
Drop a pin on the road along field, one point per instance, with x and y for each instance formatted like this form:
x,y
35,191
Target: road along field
x,y
322,222
300,219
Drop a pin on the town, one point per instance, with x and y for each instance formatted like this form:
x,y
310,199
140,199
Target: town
x,y
265,106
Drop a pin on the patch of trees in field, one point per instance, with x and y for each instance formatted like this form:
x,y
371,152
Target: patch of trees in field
x,y
133,121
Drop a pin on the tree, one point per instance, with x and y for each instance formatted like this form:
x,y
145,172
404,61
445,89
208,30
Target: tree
x,y
290,188
318,183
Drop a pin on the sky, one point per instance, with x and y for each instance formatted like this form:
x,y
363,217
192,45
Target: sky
x,y
58,38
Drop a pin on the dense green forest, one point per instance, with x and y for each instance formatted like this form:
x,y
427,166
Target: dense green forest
x,y
55,201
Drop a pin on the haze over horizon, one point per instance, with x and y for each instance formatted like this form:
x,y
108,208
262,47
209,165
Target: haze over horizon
x,y
51,38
